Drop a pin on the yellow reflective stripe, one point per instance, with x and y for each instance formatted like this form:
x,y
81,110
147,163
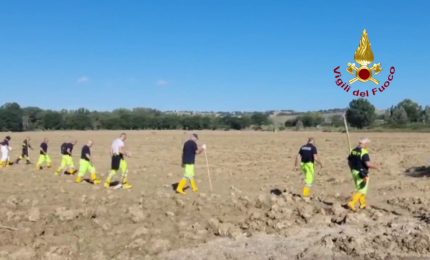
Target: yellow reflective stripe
x,y
363,152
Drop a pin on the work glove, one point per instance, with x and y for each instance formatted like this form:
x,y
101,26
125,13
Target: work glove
x,y
204,147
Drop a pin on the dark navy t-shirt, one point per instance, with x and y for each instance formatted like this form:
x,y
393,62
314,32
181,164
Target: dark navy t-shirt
x,y
43,148
85,151
189,152
307,152
64,149
358,159
5,142
25,146
70,148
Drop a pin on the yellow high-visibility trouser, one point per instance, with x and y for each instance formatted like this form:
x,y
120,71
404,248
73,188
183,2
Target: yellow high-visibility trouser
x,y
44,158
308,170
189,171
123,166
360,185
66,162
84,167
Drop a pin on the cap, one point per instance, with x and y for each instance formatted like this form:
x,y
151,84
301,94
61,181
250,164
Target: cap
x,y
8,137
196,136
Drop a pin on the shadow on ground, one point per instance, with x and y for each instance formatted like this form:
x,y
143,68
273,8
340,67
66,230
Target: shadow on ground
x,y
276,192
175,186
425,218
418,172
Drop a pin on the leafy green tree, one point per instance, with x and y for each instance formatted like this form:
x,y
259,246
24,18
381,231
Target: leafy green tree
x,y
336,120
311,119
427,114
11,117
33,117
79,119
413,110
125,118
111,123
290,122
52,120
299,125
259,119
361,113
236,123
399,116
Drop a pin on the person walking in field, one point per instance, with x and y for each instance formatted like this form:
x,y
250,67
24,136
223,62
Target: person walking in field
x,y
118,162
86,165
359,163
44,158
67,165
5,149
307,157
189,152
26,147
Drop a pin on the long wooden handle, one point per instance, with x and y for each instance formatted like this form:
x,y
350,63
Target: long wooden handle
x,y
347,132
209,173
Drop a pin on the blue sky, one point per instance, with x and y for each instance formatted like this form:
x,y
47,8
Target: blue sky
x,y
219,55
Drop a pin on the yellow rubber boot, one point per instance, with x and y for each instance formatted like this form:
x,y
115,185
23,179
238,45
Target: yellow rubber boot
x,y
58,172
363,202
306,192
72,171
181,186
79,179
355,199
194,185
95,179
107,182
126,184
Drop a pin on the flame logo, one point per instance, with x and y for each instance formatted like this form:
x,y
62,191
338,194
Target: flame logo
x,y
364,54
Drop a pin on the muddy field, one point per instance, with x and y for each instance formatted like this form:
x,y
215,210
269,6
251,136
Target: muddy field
x,y
255,211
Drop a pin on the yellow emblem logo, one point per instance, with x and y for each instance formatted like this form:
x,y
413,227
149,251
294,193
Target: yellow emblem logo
x,y
364,56
364,72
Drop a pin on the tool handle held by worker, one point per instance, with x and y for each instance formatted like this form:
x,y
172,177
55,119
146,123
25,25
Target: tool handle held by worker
x,y
209,173
347,132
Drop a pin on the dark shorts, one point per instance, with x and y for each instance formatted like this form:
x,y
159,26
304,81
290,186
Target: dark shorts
x,y
116,161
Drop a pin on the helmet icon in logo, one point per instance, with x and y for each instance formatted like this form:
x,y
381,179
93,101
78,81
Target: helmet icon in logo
x,y
364,56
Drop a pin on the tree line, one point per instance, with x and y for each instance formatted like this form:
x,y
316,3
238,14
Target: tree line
x,y
407,113
15,118
360,114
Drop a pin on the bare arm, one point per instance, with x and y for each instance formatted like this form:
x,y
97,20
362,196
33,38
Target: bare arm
x,y
317,159
201,149
296,163
124,151
372,165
